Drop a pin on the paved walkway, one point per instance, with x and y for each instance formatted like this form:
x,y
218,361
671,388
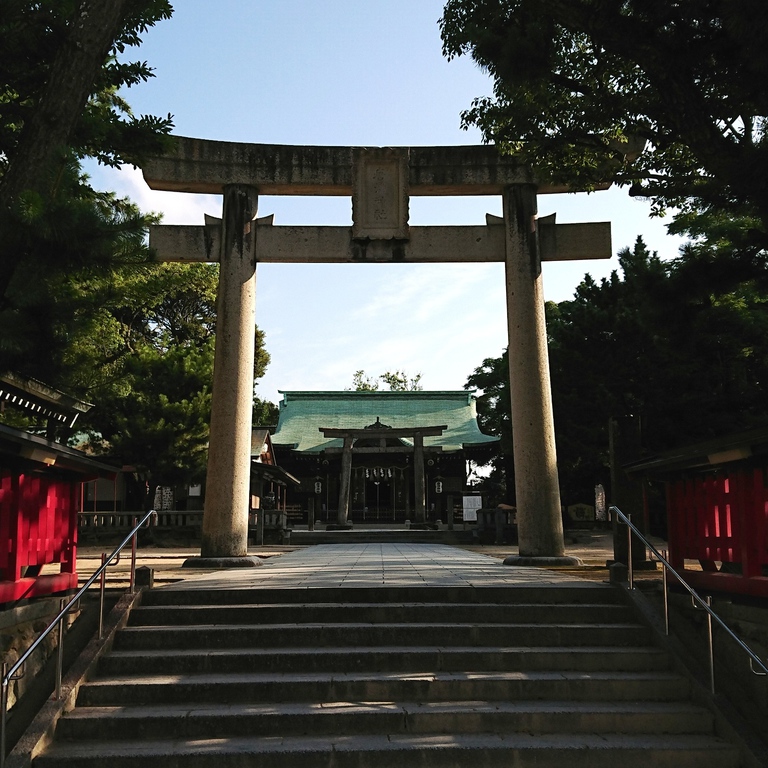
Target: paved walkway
x,y
369,565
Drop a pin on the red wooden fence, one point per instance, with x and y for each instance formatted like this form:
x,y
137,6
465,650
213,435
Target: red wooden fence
x,y
38,526
720,519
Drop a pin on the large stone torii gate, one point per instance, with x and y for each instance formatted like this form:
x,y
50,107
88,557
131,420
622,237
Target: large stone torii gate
x,y
380,181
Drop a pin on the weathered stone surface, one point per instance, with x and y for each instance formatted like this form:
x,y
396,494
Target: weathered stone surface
x,y
227,496
305,245
540,527
19,628
206,166
380,194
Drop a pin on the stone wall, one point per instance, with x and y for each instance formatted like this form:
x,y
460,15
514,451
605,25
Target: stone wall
x,y
19,628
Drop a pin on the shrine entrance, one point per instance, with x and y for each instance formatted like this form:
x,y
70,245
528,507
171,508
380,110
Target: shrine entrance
x,y
378,501
380,182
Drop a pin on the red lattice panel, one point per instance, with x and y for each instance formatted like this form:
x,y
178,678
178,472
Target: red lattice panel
x,y
38,526
721,516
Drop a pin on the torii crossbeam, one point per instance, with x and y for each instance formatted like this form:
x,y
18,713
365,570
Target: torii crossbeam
x,y
380,182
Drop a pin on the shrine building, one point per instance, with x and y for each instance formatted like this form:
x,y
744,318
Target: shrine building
x,y
379,457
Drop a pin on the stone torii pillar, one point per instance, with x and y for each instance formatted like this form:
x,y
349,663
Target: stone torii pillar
x,y
228,479
537,488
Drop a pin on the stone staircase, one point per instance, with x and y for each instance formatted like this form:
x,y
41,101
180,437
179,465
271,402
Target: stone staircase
x,y
411,676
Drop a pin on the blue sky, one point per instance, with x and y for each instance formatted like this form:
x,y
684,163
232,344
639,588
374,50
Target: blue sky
x,y
346,72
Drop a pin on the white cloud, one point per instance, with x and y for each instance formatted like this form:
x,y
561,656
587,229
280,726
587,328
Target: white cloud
x,y
176,207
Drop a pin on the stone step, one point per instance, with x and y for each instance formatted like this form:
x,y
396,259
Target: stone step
x,y
576,592
329,718
384,659
376,613
522,750
405,634
196,688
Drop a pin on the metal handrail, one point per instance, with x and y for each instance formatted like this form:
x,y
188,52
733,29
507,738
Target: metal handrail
x,y
15,672
697,601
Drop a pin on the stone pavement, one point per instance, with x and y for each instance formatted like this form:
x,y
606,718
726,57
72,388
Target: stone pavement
x,y
594,547
375,565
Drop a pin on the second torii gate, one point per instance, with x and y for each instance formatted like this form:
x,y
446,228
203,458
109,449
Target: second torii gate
x,y
380,181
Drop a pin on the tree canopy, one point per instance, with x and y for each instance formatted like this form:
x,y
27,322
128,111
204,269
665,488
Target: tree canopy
x,y
61,71
82,306
650,341
578,82
397,381
147,361
138,342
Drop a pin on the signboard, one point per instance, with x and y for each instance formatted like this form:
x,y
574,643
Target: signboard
x,y
470,506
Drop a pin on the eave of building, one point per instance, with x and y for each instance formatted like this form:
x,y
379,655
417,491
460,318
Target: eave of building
x,y
34,396
705,455
273,474
41,454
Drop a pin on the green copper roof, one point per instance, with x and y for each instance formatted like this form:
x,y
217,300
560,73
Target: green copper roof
x,y
304,414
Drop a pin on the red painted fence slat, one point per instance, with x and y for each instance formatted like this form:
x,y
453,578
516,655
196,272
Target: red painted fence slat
x,y
720,519
38,526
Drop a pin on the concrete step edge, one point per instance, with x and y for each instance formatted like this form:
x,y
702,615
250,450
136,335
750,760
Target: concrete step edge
x,y
571,594
346,650
333,708
290,677
564,743
348,625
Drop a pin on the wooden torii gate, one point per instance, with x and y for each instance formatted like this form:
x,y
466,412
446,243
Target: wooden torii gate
x,y
380,182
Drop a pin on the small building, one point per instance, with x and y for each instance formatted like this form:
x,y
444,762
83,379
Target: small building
x,y
379,457
41,493
717,510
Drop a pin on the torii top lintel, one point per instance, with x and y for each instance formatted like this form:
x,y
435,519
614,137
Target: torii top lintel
x,y
206,166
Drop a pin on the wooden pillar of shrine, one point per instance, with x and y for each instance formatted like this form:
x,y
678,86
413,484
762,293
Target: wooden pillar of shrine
x,y
345,481
419,495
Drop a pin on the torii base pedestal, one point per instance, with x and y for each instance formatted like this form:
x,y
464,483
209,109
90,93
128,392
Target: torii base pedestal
x,y
219,563
542,562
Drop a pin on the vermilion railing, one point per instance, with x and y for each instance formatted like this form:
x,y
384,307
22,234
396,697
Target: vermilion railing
x,y
720,519
38,526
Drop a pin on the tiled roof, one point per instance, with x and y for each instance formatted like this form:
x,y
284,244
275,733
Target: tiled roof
x,y
303,414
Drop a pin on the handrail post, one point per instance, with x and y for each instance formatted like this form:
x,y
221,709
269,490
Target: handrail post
x,y
133,557
60,653
630,569
666,595
102,585
711,646
3,709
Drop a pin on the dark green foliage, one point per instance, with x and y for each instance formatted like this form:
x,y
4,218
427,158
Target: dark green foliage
x,y
577,83
51,220
656,341
145,357
82,306
32,34
494,418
